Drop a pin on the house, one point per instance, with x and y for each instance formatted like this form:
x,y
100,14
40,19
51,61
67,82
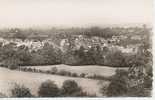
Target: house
x,y
136,37
64,44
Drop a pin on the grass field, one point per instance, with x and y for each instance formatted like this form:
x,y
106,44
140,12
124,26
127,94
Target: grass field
x,y
33,81
89,69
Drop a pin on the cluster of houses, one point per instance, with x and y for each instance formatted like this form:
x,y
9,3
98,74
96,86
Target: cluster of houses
x,y
33,45
88,43
75,42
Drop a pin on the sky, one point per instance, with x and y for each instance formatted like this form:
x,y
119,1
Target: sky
x,y
74,13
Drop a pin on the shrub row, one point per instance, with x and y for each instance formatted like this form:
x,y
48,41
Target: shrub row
x,y
61,72
49,89
49,55
55,71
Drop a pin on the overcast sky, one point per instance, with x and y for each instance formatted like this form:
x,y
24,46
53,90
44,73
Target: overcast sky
x,y
27,13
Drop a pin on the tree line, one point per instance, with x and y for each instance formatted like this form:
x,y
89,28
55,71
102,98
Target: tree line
x,y
12,56
105,32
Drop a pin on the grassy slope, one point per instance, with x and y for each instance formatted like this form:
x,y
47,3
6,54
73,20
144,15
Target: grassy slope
x,y
33,81
89,69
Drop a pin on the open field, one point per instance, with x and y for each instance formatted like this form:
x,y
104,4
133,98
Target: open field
x,y
33,81
89,69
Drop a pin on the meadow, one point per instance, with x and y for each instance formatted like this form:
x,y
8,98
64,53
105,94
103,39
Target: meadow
x,y
87,69
33,81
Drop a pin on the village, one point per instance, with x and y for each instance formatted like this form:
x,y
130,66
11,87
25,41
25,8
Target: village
x,y
102,56
77,41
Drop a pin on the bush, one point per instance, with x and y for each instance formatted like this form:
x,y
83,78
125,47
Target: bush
x,y
118,85
148,82
64,73
20,91
54,70
48,89
2,95
71,88
104,89
99,77
29,69
74,75
68,73
82,75
136,92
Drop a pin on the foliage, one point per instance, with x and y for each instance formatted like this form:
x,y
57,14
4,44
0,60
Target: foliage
x,y
82,75
115,58
148,82
54,70
48,89
118,85
20,91
64,73
36,59
2,95
12,56
104,90
70,58
142,90
71,88
9,57
101,32
20,35
99,77
137,92
74,75
50,55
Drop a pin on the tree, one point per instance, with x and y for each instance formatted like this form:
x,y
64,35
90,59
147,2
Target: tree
x,y
48,89
115,58
80,56
71,58
71,88
118,85
20,36
24,55
18,33
100,32
50,54
20,91
9,56
54,70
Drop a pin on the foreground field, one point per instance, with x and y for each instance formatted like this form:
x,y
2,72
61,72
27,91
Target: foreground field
x,y
89,69
33,81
